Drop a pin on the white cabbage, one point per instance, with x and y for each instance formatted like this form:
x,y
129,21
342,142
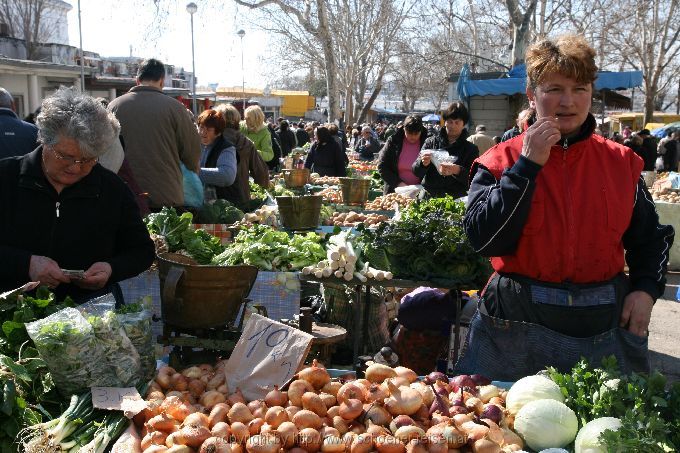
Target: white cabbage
x,y
532,388
546,424
587,440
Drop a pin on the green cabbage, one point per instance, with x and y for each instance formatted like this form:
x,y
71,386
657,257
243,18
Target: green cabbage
x,y
588,438
546,424
532,388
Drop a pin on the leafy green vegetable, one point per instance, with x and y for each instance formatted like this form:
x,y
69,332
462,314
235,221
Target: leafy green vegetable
x,y
650,414
272,250
169,225
428,242
220,211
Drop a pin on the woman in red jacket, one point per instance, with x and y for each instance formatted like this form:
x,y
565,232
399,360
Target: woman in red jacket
x,y
557,208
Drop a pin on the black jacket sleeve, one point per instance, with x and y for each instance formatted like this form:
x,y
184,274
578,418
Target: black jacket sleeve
x,y
647,245
135,250
498,210
387,166
340,159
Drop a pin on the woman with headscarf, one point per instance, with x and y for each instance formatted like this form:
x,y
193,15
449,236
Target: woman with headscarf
x,y
325,156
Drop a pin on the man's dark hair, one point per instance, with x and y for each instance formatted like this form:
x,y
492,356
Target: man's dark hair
x,y
323,134
456,111
151,70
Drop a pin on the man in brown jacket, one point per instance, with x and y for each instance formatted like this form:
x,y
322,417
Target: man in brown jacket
x,y
158,133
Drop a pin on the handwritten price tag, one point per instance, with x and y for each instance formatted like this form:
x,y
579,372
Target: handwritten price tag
x,y
267,353
126,399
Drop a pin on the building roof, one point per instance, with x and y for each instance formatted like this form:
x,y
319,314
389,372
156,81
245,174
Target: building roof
x,y
13,65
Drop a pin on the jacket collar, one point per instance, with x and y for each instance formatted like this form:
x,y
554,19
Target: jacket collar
x,y
31,176
7,112
138,88
587,129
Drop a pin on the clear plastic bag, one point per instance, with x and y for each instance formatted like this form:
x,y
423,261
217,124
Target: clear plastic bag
x,y
67,343
137,325
439,157
121,355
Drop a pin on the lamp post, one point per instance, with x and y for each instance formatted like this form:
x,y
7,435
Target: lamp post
x,y
241,33
82,63
191,9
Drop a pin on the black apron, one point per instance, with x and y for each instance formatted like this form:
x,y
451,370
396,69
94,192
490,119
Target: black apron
x,y
507,349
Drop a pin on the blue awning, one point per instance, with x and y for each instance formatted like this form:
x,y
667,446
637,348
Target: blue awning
x,y
515,83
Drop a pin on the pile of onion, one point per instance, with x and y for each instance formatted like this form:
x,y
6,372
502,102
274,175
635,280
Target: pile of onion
x,y
389,411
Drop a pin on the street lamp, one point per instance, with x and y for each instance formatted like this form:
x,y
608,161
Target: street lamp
x,y
241,33
191,9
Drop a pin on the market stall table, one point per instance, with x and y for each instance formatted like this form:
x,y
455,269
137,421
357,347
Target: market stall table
x,y
361,328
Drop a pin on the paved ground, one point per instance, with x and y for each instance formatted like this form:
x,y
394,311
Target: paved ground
x,y
664,331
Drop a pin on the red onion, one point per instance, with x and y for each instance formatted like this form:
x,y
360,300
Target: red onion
x,y
480,379
439,404
436,376
492,412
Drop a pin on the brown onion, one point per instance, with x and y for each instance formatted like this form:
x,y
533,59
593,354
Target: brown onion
x,y
287,432
255,425
351,409
221,429
311,401
399,421
315,375
332,444
275,416
236,397
263,443
309,440
389,444
377,373
292,410
239,412
377,414
351,390
376,392
215,445
340,424
216,382
153,438
219,413
333,411
416,446
240,431
296,389
332,387
276,397
198,419
486,446
363,443
328,399
193,372
194,435
196,387
179,382
403,400
425,391
408,432
210,398
307,419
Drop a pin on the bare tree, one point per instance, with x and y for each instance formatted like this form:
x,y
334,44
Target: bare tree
x,y
312,16
521,28
29,21
649,43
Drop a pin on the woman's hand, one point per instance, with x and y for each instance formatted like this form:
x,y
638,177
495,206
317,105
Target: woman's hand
x,y
426,158
46,271
539,138
637,312
96,276
450,169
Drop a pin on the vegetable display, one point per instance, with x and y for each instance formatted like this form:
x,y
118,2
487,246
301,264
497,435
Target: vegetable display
x,y
220,211
648,408
388,202
429,243
388,411
80,428
270,250
353,219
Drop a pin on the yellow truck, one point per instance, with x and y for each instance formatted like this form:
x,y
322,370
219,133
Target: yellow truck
x,y
635,120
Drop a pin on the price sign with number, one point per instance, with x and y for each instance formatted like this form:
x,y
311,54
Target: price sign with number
x,y
267,353
125,399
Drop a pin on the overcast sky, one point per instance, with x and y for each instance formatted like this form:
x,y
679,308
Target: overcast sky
x,y
111,27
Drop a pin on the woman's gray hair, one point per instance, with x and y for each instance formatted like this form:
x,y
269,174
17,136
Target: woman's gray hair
x,y
68,113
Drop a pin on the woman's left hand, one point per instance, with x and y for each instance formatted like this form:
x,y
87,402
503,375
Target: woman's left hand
x,y
95,277
637,312
450,169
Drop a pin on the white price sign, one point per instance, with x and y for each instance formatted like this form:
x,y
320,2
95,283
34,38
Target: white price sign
x,y
267,353
125,399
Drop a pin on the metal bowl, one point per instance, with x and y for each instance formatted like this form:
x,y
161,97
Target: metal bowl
x,y
296,177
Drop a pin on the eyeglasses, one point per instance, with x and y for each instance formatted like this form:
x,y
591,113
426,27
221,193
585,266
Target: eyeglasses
x,y
69,161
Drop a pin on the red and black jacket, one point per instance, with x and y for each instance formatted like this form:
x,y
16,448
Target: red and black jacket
x,y
571,220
